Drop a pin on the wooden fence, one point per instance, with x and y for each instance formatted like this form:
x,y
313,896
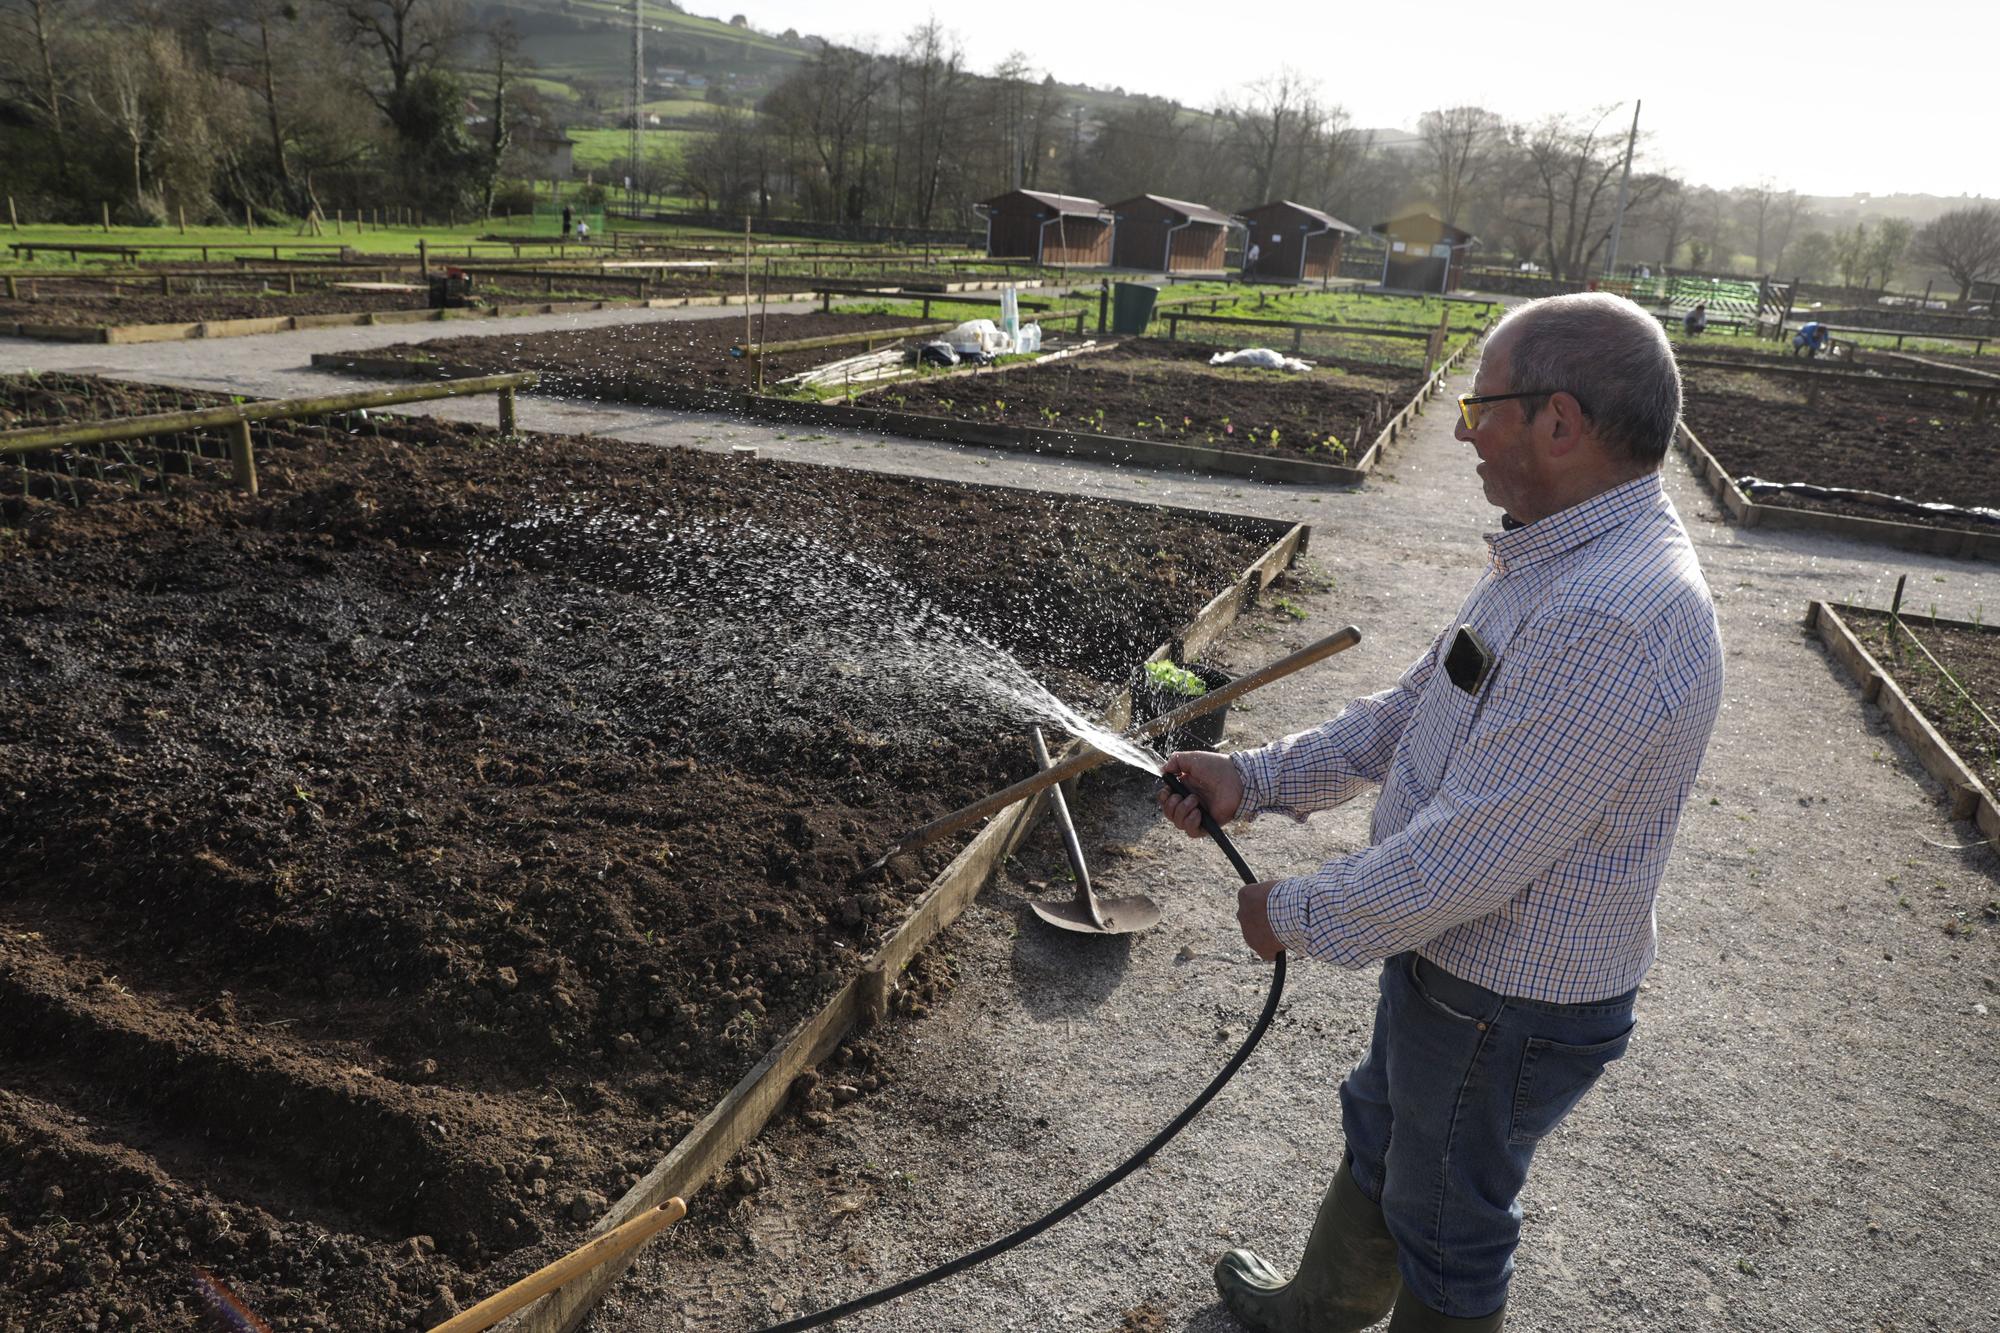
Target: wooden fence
x,y
236,418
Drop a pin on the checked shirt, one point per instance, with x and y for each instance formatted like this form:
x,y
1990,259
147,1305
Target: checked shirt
x,y
1522,830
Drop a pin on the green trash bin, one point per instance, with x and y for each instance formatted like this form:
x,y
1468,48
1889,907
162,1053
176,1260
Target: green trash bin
x,y
1132,306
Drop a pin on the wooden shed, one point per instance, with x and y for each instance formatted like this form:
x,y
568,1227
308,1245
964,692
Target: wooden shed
x,y
1425,254
1047,228
1293,243
1170,235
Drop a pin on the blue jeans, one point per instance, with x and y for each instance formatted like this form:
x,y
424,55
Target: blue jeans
x,y
1443,1116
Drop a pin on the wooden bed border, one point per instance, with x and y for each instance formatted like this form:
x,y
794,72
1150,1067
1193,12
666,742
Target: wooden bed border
x,y
1970,799
242,328
1745,512
1117,449
742,1114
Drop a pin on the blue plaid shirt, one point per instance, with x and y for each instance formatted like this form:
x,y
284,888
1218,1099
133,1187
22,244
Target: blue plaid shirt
x,y
1522,830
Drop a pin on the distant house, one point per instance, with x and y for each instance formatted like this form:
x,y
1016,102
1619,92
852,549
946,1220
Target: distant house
x,y
1170,235
1047,228
545,155
697,82
1294,243
1425,254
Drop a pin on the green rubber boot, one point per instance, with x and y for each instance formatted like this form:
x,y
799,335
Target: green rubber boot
x,y
1347,1279
1413,1316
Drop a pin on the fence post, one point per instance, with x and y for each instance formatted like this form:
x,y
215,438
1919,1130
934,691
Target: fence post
x,y
509,424
423,259
107,215
12,216
242,458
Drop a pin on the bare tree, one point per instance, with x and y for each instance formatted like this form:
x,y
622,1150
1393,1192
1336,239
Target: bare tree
x,y
409,36
824,110
929,78
1892,238
1459,143
1964,242
1573,167
504,45
37,57
1270,123
170,120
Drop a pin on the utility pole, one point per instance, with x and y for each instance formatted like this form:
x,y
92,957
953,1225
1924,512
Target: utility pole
x,y
638,97
1624,192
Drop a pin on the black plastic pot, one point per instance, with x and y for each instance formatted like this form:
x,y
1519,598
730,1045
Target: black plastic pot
x,y
1203,733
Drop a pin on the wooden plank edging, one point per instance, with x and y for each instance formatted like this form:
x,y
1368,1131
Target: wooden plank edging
x,y
915,425
241,328
1745,512
1970,799
741,1116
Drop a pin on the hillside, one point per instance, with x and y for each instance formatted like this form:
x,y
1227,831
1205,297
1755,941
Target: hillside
x,y
582,53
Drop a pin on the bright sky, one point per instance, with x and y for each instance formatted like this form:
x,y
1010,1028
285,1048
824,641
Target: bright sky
x,y
1725,86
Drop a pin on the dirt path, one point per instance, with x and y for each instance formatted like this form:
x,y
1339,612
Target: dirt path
x,y
1796,1141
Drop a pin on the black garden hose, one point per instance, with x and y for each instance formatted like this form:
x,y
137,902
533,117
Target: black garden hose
x,y
1103,1183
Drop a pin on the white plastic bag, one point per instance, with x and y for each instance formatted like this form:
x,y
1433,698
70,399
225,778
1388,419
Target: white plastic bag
x,y
1029,339
978,335
1258,358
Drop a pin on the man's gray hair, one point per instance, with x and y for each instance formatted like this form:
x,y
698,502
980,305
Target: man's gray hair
x,y
1612,356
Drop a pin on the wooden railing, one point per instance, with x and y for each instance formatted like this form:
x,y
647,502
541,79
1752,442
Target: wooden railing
x,y
236,418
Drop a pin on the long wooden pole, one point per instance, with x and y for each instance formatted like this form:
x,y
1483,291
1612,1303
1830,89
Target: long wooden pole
x,y
1088,758
566,1269
173,423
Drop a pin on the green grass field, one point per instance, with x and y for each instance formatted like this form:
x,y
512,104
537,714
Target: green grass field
x,y
596,150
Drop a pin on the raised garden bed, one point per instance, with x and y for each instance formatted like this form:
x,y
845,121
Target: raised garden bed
x,y
158,318
1202,417
1147,388
1950,727
401,861
1926,445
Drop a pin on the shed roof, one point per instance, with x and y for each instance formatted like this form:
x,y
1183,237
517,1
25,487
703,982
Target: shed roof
x,y
1429,223
1327,220
1192,212
1067,204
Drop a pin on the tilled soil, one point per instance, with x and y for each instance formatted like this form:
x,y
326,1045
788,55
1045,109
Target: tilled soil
x,y
401,860
626,360
1972,656
1152,389
57,304
1926,445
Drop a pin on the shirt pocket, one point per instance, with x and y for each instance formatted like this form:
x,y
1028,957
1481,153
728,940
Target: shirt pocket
x,y
1444,721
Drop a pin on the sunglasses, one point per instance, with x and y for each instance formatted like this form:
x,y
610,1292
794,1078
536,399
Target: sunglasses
x,y
1469,404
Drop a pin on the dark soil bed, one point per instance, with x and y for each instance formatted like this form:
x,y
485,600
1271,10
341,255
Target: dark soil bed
x,y
55,303
624,360
1972,656
400,861
1925,445
1157,390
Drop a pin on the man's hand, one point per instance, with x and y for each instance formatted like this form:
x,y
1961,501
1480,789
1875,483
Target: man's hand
x,y
1215,783
1253,915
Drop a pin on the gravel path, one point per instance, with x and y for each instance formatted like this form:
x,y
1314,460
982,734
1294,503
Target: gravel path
x,y
1803,1136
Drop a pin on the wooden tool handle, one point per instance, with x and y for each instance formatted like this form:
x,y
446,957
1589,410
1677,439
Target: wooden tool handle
x,y
572,1265
1087,758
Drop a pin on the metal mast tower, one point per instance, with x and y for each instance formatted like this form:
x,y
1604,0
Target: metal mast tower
x,y
638,98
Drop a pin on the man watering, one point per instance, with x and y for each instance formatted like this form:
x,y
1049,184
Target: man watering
x,y
1534,764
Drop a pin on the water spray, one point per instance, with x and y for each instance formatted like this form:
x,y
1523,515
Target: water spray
x,y
1103,746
